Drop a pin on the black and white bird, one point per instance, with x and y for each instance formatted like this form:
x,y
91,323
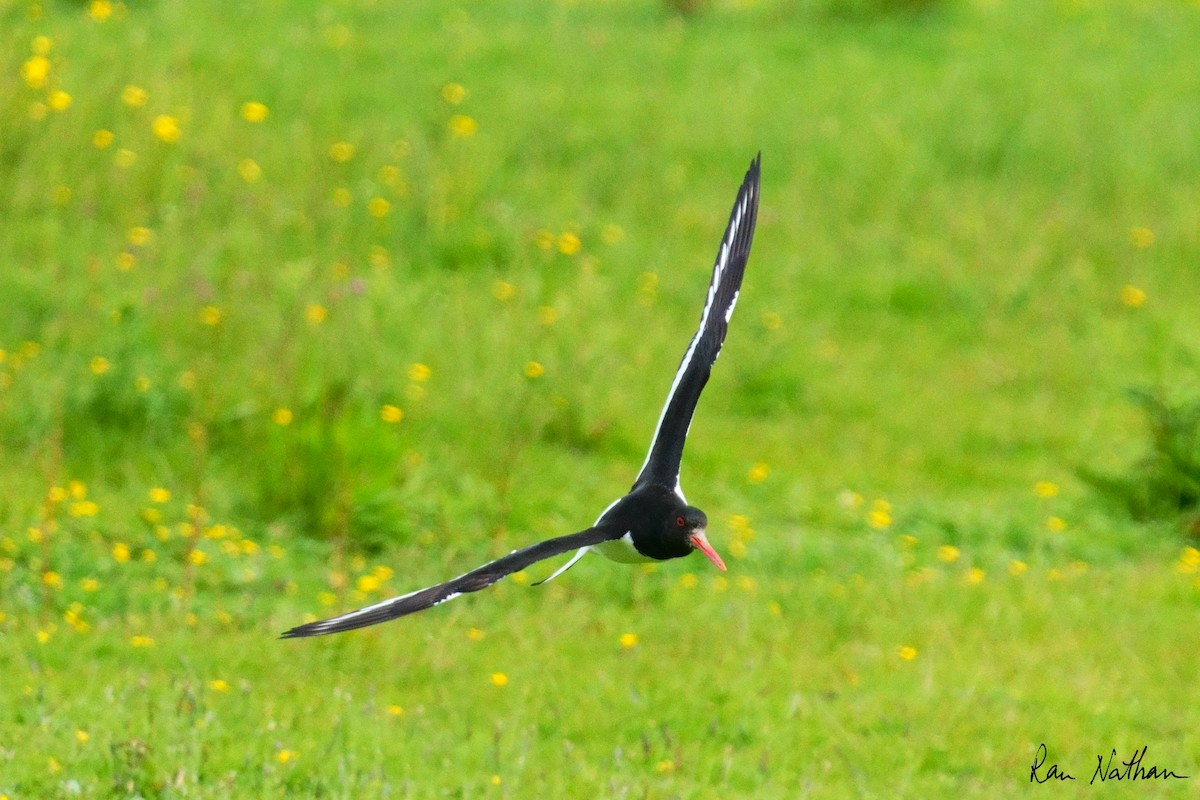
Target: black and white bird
x,y
654,521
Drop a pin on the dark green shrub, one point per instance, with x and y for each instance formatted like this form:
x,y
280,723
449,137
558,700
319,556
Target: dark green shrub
x,y
1165,482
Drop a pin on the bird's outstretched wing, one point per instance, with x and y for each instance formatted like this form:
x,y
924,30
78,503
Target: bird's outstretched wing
x,y
666,450
473,581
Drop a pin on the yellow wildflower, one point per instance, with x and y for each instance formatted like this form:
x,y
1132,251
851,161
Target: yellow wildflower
x,y
454,93
100,10
906,652
1141,237
134,96
83,508
1132,297
211,315
1045,489
341,152
102,138
166,128
99,365
499,679
533,370
59,100
389,175
647,288
758,472
254,111
120,552
628,640
947,553
378,207
249,170
503,291
391,414
138,640
543,240
418,373
315,313
879,519
569,244
463,126
35,71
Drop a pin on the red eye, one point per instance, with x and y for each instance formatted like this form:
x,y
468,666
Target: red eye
x,y
679,521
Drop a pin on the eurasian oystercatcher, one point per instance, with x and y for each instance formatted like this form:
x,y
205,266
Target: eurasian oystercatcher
x,y
654,521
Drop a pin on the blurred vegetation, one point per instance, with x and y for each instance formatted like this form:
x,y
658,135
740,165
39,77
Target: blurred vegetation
x,y
1165,482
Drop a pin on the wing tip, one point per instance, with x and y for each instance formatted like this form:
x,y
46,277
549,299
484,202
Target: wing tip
x,y
302,631
755,169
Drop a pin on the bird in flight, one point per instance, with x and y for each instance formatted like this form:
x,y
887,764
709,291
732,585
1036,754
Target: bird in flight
x,y
653,522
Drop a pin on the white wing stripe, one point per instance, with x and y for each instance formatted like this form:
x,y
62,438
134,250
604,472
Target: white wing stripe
x,y
580,553
732,303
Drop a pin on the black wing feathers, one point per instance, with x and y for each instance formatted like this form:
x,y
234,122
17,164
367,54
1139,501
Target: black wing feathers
x,y
473,581
666,451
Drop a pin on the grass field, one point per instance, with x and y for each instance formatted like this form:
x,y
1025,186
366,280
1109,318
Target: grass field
x,y
308,304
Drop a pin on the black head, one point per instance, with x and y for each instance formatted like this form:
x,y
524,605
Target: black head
x,y
688,527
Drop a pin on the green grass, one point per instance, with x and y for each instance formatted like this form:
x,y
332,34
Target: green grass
x,y
937,316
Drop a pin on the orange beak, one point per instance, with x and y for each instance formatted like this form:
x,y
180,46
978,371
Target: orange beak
x,y
700,542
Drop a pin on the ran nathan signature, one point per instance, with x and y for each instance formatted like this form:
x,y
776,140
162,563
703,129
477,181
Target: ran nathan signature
x,y
1129,770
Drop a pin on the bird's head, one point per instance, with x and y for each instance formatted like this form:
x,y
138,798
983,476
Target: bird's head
x,y
690,524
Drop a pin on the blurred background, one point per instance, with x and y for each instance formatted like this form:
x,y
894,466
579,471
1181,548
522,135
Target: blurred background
x,y
308,304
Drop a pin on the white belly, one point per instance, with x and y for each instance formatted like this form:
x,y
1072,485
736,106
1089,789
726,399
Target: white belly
x,y
621,550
